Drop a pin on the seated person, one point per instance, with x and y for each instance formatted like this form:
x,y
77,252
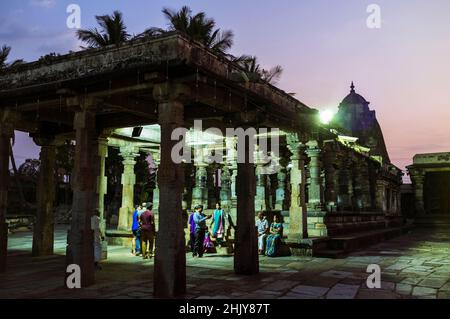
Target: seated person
x,y
274,239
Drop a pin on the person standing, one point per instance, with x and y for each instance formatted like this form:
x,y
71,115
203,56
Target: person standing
x,y
218,224
135,228
147,231
262,226
200,229
192,231
99,236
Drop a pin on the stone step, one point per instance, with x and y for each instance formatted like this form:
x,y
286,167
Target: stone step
x,y
331,253
339,246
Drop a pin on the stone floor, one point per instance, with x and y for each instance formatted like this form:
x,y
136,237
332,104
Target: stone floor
x,y
416,265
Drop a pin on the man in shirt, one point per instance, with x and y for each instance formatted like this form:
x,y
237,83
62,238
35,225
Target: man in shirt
x,y
200,229
262,226
135,228
147,231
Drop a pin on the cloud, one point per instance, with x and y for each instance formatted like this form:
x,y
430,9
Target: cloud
x,y
43,3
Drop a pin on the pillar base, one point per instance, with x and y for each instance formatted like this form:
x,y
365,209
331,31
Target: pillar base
x,y
316,224
3,246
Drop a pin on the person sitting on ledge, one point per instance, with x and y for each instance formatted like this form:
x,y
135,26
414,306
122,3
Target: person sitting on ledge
x,y
274,238
262,226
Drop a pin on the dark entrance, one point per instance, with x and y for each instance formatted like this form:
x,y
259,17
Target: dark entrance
x,y
437,193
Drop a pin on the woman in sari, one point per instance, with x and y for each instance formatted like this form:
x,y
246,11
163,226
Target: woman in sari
x,y
274,238
218,224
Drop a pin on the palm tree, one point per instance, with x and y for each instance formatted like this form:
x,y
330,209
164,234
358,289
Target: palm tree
x,y
251,66
198,27
112,31
4,53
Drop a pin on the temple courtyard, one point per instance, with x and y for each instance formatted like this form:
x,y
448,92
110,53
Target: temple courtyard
x,y
415,265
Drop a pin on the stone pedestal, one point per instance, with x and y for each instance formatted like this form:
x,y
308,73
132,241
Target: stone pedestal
x,y
298,223
43,232
170,259
246,243
128,153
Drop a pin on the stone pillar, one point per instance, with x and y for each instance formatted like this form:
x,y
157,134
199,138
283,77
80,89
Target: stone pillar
x,y
261,179
298,225
345,186
128,153
156,159
362,187
200,190
102,188
6,133
225,190
329,159
315,200
80,250
381,196
170,261
418,178
246,242
280,198
43,232
231,157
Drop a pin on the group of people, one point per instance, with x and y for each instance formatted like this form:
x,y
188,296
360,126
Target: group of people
x,y
143,229
200,237
269,237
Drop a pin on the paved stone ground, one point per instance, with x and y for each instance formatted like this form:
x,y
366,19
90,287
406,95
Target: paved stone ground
x,y
416,265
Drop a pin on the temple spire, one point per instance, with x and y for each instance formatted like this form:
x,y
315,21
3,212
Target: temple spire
x,y
352,88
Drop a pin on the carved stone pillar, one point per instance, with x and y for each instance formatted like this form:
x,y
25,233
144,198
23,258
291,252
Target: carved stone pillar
x,y
6,133
128,153
345,180
329,159
315,200
157,160
280,194
43,232
200,190
231,157
381,196
225,189
418,178
261,179
362,187
102,188
298,225
170,260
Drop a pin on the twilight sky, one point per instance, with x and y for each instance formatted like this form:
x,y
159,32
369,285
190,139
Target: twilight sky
x,y
403,69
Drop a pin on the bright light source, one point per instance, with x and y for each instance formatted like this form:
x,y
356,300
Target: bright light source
x,y
326,116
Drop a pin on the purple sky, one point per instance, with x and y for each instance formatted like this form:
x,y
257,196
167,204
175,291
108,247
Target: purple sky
x,y
403,69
